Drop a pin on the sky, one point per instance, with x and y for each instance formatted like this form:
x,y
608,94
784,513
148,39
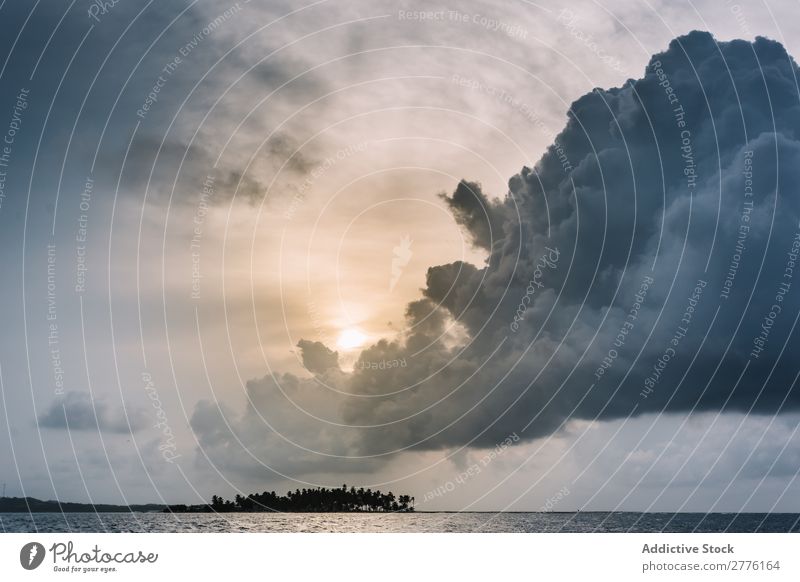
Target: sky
x,y
497,257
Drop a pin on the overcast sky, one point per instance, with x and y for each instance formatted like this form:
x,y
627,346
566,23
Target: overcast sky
x,y
493,256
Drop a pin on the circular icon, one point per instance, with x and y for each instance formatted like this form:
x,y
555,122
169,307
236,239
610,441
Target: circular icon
x,y
31,555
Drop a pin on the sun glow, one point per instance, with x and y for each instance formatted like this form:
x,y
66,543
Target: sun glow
x,y
350,339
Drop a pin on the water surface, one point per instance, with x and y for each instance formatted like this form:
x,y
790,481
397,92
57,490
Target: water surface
x,y
400,522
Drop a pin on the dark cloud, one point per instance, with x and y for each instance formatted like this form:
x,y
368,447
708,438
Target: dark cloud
x,y
632,270
78,411
482,218
317,357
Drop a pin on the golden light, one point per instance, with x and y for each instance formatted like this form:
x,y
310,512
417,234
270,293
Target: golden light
x,y
350,339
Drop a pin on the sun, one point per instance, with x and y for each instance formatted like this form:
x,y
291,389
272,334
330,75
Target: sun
x,y
351,338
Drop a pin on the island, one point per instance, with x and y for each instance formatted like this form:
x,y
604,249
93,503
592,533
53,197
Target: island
x,y
33,505
319,499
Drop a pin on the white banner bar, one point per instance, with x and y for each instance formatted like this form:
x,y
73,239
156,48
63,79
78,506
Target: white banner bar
x,y
402,557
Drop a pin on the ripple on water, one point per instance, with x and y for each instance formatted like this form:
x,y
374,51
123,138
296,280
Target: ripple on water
x,y
407,522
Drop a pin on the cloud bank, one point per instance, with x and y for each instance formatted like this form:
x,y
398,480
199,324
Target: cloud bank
x,y
644,264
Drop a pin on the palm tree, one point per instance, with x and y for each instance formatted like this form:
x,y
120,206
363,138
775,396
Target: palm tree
x,y
318,499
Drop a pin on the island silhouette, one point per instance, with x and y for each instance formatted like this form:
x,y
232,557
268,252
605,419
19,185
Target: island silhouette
x,y
318,499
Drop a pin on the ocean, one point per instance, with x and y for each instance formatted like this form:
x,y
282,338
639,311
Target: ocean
x,y
401,522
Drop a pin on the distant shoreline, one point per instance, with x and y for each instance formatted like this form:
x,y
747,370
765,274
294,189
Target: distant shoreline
x,y
18,505
33,505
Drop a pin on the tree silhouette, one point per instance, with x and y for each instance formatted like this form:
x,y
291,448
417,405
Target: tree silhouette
x,y
319,499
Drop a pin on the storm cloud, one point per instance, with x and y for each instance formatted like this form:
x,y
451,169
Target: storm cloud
x,y
644,264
